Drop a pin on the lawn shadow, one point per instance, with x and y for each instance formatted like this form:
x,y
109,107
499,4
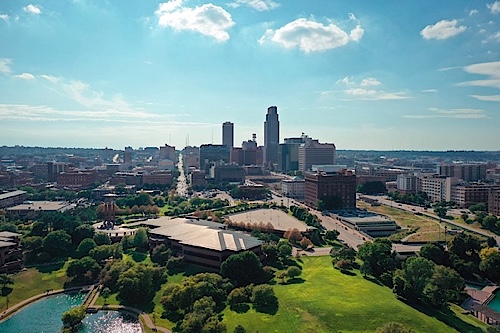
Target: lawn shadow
x,y
446,316
372,279
270,309
347,272
296,280
6,291
240,308
49,268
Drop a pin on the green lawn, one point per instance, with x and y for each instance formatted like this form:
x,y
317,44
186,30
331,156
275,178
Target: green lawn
x,y
32,282
329,301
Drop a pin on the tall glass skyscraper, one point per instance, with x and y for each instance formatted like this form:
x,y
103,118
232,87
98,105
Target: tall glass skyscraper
x,y
271,136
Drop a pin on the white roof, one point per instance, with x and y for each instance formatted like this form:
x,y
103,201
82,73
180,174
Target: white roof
x,y
204,234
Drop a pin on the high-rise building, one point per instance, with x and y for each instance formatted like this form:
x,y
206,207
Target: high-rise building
x,y
167,153
311,152
271,136
465,171
228,134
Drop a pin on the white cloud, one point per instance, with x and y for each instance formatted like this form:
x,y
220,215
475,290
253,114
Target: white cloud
x,y
442,30
489,69
4,17
494,7
311,36
370,81
450,113
25,76
207,19
429,91
346,80
33,9
259,5
473,11
5,66
50,78
370,94
490,98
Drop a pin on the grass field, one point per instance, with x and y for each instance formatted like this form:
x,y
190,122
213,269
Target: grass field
x,y
32,282
329,301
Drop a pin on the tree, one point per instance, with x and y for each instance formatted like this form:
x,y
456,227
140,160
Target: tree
x,y
445,285
84,247
331,235
284,248
73,316
264,299
242,268
161,254
375,187
5,280
81,232
57,243
293,271
434,252
344,252
239,329
293,235
141,241
305,243
102,238
84,270
410,281
105,293
377,257
490,263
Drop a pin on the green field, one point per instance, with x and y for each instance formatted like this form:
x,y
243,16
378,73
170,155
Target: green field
x,y
32,282
329,301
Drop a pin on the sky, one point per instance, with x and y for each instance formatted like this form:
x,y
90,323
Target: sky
x,y
381,75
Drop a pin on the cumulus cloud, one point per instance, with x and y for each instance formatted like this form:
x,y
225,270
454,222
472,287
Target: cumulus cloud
x,y
5,66
25,76
450,113
4,17
370,81
348,81
311,36
50,78
207,19
494,7
259,5
442,30
473,11
33,9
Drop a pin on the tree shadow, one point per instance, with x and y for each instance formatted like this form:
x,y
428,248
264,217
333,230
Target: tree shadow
x,y
347,272
296,280
52,267
6,291
446,316
240,308
372,279
270,309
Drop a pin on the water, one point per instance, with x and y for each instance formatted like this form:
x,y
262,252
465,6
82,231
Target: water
x,y
44,316
495,303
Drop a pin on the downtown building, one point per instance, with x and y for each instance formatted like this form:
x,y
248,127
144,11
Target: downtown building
x,y
228,134
336,191
311,152
271,137
469,172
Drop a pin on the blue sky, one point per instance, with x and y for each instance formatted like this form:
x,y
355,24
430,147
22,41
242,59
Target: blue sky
x,y
421,75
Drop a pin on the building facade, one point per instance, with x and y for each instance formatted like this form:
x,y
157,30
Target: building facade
x,y
335,190
314,153
494,202
468,172
293,188
213,153
228,134
271,136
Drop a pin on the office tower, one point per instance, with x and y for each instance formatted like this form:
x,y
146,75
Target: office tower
x,y
228,134
271,136
167,153
311,152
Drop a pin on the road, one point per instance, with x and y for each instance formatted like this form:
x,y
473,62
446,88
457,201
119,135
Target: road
x,y
413,209
182,186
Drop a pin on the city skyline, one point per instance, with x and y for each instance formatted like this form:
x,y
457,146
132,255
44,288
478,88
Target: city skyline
x,y
382,76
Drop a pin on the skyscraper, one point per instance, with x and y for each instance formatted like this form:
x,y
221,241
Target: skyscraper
x,y
271,136
228,134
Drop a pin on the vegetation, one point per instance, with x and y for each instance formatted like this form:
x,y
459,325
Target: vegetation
x,y
372,188
73,317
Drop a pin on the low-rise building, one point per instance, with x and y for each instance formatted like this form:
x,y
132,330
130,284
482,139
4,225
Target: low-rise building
x,y
334,190
465,195
199,241
227,173
369,223
494,202
12,198
11,253
293,188
29,208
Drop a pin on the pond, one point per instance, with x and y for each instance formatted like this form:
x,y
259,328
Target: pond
x,y
44,316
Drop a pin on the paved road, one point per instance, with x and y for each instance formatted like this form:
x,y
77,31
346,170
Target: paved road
x,y
182,186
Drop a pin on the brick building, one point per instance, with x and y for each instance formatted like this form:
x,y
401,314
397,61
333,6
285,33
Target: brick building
x,y
335,190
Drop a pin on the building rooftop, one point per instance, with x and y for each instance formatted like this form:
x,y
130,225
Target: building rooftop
x,y
11,194
203,234
42,206
9,234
